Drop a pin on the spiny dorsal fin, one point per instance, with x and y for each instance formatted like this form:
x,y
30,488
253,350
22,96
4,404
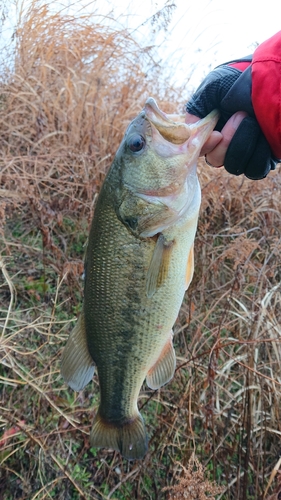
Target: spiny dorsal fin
x,y
77,367
159,265
164,368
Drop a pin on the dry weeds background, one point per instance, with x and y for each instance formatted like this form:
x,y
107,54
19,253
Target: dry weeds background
x,y
215,429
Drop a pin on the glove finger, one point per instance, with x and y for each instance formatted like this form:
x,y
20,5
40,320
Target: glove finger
x,y
248,153
259,164
211,92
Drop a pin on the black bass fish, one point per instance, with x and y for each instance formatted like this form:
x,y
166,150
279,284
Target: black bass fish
x,y
139,263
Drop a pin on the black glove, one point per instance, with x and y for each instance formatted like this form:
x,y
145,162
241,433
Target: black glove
x,y
228,89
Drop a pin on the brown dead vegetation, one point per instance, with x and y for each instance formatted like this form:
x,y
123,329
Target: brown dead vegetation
x,y
64,108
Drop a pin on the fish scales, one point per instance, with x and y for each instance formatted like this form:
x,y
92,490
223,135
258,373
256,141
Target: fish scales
x,y
138,265
119,307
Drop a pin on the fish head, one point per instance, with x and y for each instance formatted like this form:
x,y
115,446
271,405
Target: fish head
x,y
159,151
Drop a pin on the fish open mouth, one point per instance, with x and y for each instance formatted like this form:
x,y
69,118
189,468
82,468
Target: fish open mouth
x,y
171,127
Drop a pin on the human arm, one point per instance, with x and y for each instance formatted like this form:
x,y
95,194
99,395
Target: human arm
x,y
248,94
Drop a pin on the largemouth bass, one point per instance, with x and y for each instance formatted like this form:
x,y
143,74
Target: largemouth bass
x,y
139,262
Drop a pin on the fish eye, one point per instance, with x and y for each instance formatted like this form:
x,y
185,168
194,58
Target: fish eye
x,y
136,143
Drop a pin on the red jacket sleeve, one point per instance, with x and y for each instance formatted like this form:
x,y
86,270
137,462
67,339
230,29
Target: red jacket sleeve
x,y
266,90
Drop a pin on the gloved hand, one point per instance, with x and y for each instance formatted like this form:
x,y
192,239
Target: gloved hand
x,y
229,88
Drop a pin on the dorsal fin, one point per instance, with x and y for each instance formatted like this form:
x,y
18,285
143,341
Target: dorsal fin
x,y
77,367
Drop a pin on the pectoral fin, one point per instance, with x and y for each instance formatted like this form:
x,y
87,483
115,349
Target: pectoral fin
x,y
189,268
159,265
77,367
163,370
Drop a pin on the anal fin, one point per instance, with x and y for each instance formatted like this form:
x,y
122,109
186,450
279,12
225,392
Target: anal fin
x,y
159,265
77,367
164,368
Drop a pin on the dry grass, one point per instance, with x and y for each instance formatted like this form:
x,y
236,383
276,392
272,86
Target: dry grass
x,y
63,110
192,484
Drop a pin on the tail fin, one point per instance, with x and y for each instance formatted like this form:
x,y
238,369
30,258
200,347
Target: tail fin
x,y
129,437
